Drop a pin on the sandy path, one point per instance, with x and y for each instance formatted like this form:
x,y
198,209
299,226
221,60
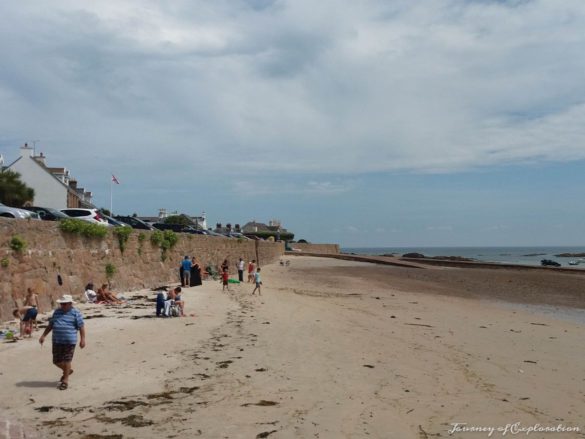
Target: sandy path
x,y
320,354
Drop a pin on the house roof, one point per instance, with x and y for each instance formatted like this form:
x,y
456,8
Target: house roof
x,y
48,171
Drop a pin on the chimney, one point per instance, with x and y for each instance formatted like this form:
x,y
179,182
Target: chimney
x,y
25,147
40,158
73,184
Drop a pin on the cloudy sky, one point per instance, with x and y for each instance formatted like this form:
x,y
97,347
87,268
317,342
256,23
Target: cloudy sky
x,y
367,123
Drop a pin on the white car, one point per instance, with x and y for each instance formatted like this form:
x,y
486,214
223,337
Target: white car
x,y
13,212
90,215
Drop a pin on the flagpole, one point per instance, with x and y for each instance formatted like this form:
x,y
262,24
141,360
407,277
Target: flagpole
x,y
111,213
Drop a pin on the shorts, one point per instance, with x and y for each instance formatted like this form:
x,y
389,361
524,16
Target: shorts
x,y
63,353
225,282
31,314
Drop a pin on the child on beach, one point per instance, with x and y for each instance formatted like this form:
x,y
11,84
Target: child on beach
x,y
27,316
251,268
32,300
258,281
225,276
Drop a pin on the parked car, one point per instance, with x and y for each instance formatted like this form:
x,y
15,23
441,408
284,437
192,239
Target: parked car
x,y
113,222
177,228
549,263
135,223
14,212
47,213
90,215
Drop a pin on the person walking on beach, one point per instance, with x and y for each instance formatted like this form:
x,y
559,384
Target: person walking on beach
x,y
258,281
186,276
65,324
241,270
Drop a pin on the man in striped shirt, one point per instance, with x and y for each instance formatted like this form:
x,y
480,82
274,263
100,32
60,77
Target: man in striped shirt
x,y
65,323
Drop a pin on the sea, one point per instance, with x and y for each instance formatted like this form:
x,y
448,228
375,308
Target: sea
x,y
508,255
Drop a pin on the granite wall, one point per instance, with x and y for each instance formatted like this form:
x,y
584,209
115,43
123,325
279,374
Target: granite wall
x,y
50,252
324,249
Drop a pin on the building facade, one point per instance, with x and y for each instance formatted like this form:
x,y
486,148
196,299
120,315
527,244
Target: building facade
x,y
53,186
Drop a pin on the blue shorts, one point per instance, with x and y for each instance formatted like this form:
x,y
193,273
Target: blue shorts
x,y
31,314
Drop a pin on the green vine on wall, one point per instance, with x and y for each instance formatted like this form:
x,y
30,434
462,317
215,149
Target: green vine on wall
x,y
83,228
141,238
122,233
164,240
18,244
110,271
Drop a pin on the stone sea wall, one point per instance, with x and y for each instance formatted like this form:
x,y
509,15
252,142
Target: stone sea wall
x,y
49,252
324,249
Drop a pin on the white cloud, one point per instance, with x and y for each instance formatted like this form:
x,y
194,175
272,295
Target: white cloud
x,y
287,87
259,186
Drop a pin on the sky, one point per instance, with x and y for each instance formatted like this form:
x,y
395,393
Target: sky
x,y
364,123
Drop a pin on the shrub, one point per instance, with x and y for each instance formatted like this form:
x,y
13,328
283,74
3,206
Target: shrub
x,y
164,240
141,238
170,237
83,228
122,233
4,262
17,243
156,238
110,270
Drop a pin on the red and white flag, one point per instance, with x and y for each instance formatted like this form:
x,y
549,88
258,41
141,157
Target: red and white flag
x,y
114,179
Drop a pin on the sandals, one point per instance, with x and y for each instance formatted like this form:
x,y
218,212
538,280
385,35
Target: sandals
x,y
62,386
63,376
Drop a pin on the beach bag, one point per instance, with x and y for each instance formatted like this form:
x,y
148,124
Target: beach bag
x,y
174,311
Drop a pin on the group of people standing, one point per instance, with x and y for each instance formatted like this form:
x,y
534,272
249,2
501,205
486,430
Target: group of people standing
x,y
253,274
190,272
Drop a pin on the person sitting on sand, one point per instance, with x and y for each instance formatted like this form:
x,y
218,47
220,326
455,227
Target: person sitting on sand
x,y
180,303
90,294
170,300
103,295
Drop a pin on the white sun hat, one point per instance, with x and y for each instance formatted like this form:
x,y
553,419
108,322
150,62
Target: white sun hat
x,y
66,298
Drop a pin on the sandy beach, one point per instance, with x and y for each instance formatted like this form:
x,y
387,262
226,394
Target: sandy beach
x,y
332,349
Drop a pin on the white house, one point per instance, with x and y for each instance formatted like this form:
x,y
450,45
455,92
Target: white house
x,y
53,186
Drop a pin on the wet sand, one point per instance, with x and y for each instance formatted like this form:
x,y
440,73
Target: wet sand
x,y
333,349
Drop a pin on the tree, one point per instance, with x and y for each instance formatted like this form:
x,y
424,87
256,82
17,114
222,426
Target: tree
x,y
182,219
13,192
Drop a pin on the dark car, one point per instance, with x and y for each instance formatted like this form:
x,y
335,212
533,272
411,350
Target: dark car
x,y
177,228
133,222
549,263
47,213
